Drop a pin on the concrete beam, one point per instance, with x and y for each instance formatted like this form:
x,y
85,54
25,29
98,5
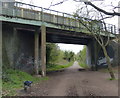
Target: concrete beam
x,y
43,50
36,62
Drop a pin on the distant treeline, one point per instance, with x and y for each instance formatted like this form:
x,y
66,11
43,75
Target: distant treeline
x,y
54,54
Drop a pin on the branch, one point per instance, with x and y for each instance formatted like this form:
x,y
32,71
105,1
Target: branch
x,y
97,40
101,10
108,39
106,18
94,34
57,3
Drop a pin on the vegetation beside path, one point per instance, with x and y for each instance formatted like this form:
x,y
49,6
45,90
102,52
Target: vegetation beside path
x,y
56,67
13,80
81,58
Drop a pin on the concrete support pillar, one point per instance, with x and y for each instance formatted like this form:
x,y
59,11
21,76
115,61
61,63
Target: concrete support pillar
x,y
43,50
14,44
36,62
93,49
88,58
95,55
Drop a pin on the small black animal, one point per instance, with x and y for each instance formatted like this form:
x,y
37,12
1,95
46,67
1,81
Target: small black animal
x,y
27,85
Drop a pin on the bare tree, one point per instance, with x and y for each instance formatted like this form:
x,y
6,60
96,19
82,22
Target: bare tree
x,y
96,32
96,25
114,13
99,29
58,3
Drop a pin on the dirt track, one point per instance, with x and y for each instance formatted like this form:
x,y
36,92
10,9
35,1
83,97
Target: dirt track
x,y
72,82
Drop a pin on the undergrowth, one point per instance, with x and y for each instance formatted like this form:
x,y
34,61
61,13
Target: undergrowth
x,y
13,79
55,67
83,65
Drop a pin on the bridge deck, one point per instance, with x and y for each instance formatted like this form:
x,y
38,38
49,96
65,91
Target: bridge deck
x,y
28,14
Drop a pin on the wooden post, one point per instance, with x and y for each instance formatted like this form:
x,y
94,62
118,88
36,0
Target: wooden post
x,y
36,60
43,50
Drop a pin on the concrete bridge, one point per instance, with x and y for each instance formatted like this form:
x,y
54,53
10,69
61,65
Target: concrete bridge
x,y
27,28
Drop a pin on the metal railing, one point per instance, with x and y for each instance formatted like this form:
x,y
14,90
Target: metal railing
x,y
31,12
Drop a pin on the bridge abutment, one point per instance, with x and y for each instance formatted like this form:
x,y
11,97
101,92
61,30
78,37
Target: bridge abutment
x,y
24,48
88,54
92,52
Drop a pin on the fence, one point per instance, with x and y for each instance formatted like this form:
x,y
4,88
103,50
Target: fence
x,y
31,12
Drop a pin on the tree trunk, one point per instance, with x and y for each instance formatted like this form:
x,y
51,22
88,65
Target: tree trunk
x,y
108,63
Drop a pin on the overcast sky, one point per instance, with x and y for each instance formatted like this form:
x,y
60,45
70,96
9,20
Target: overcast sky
x,y
69,7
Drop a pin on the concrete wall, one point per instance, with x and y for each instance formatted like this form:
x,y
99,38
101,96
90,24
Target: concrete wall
x,y
112,50
119,17
116,47
18,48
93,49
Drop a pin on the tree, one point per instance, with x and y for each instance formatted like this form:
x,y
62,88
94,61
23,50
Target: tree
x,y
97,31
52,52
100,32
69,55
96,25
82,55
114,13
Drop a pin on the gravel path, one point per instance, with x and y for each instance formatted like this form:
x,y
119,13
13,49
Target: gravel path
x,y
72,82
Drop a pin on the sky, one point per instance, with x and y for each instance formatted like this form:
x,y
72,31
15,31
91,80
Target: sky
x,y
71,47
69,6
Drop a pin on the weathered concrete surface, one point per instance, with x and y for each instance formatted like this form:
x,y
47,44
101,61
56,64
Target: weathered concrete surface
x,y
18,48
43,50
119,16
93,49
116,47
19,45
36,49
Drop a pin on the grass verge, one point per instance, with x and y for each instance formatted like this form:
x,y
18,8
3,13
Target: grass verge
x,y
83,65
115,70
55,67
112,79
13,80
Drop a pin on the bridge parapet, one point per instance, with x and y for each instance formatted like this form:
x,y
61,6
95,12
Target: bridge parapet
x,y
31,12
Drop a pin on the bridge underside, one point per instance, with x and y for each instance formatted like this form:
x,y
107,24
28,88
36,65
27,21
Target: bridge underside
x,y
54,35
62,36
27,42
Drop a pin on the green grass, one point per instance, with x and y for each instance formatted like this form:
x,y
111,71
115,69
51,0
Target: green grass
x,y
83,65
106,70
55,67
112,79
13,79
